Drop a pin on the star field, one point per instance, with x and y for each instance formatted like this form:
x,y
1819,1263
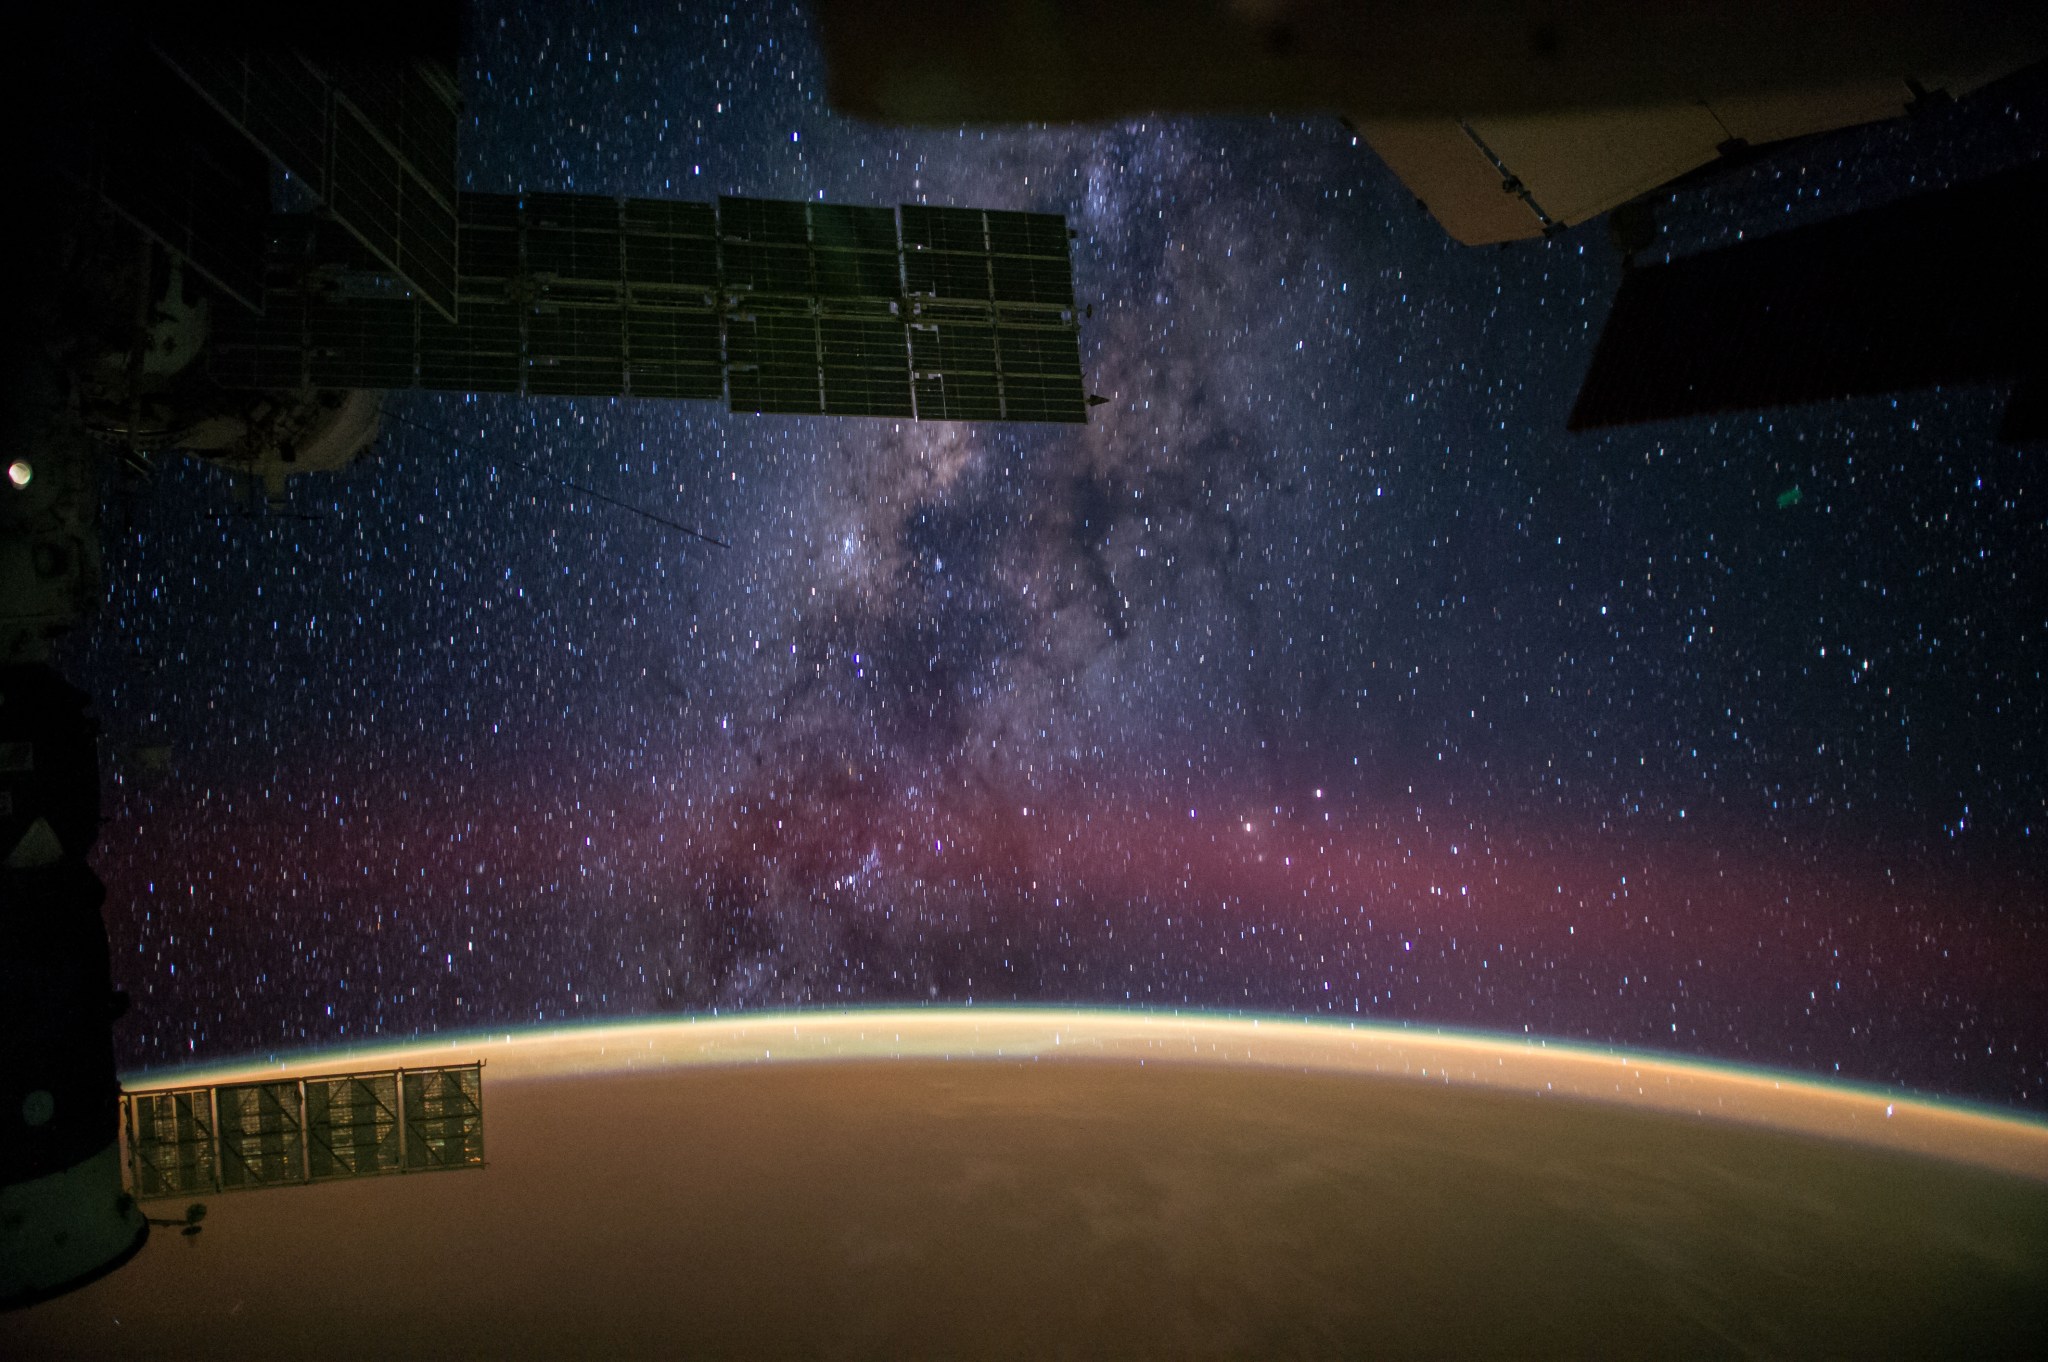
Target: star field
x,y
1322,673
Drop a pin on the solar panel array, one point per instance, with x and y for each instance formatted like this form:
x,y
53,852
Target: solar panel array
x,y
192,183
373,140
776,305
283,1132
991,332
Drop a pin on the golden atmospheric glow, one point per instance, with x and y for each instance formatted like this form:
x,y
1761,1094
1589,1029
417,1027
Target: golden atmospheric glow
x,y
1783,1102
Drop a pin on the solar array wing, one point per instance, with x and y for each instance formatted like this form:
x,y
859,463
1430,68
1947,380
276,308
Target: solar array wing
x,y
854,253
777,305
866,365
444,1117
261,1134
352,1126
373,140
194,184
171,1147
671,246
576,344
673,351
672,343
992,307
772,360
814,326
482,350
362,343
282,1132
1041,371
955,362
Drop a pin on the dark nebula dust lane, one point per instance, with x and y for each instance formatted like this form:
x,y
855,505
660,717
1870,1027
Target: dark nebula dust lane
x,y
1323,672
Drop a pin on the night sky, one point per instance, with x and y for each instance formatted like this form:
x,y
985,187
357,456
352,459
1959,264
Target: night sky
x,y
1322,673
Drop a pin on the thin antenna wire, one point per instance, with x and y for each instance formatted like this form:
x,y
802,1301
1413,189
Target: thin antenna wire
x,y
574,486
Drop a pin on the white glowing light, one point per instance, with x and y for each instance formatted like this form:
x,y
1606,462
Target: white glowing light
x,y
19,472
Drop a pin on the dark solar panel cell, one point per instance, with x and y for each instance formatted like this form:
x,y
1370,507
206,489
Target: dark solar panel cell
x,y
373,91
563,377
488,253
770,339
374,88
672,262
867,392
839,226
768,269
426,136
287,114
938,312
958,397
763,220
267,351
857,274
943,229
883,309
362,344
346,368
573,252
572,212
426,244
786,343
550,251
675,337
673,354
773,363
675,384
478,352
499,211
364,191
1039,234
1039,351
862,344
258,368
867,367
1033,279
953,348
796,394
555,334
604,293
1044,397
943,275
662,217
